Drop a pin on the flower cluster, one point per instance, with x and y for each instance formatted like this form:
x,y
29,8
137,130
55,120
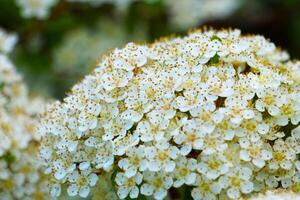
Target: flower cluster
x,y
215,110
35,8
21,176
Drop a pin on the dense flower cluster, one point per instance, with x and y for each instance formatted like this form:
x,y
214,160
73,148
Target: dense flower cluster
x,y
35,8
214,110
21,176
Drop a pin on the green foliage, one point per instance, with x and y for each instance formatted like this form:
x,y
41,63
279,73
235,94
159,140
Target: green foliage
x,y
8,157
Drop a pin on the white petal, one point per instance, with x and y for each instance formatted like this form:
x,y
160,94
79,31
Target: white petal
x,y
282,121
244,155
233,193
73,190
169,166
131,171
191,178
55,190
134,193
60,174
84,165
248,114
93,178
247,187
262,128
185,150
122,192
147,189
160,194
84,192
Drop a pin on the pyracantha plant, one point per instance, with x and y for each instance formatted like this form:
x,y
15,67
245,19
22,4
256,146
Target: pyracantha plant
x,y
21,175
214,112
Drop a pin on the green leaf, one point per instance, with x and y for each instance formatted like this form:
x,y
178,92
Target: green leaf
x,y
215,59
8,157
214,37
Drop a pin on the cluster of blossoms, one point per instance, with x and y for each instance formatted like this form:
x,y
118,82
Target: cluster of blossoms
x,y
35,8
21,176
80,49
215,110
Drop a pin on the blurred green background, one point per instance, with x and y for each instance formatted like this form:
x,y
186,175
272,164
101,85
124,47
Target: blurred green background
x,y
56,52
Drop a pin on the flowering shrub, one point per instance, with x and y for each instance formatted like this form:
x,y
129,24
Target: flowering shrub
x,y
21,176
215,110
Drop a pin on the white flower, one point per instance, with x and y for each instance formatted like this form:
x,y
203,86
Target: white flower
x,y
237,181
257,152
184,171
205,189
212,166
156,184
289,111
116,78
62,168
236,109
134,161
253,128
283,156
149,131
81,182
128,185
270,99
161,157
190,138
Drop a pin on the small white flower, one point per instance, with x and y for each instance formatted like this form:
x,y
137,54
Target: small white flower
x,y
156,184
128,186
184,171
212,166
257,152
236,181
81,183
161,158
205,189
134,161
